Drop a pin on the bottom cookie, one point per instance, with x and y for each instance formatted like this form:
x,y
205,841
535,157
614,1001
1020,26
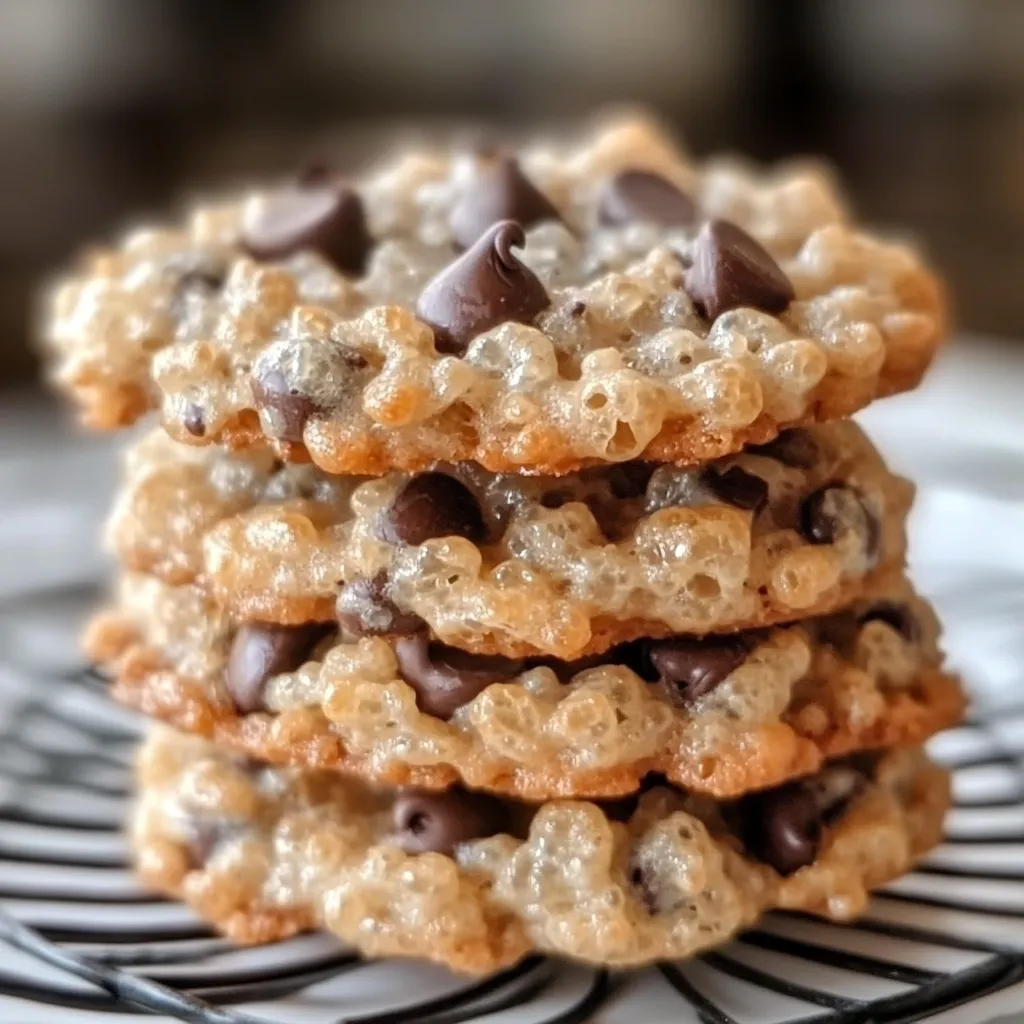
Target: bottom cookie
x,y
475,882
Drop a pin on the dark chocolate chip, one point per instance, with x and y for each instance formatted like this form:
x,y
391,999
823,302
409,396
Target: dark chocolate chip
x,y
193,420
291,408
634,655
783,827
261,650
630,479
645,196
446,678
606,495
502,192
619,808
818,522
643,885
364,608
322,215
432,505
438,822
795,447
556,498
898,616
826,513
487,285
738,487
730,270
688,669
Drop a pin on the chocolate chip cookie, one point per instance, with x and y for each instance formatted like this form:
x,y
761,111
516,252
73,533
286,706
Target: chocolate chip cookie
x,y
475,883
517,565
538,310
720,715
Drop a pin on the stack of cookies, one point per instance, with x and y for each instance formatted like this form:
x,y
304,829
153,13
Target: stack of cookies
x,y
498,555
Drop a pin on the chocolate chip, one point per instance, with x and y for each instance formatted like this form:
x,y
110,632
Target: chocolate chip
x,y
795,447
615,513
503,192
730,269
647,197
322,215
817,522
634,655
827,513
446,678
432,505
688,669
606,493
629,480
738,487
438,822
782,827
290,408
897,616
620,808
556,498
643,885
486,286
260,651
193,420
364,608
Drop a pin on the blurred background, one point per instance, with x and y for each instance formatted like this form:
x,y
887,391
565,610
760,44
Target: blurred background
x,y
111,108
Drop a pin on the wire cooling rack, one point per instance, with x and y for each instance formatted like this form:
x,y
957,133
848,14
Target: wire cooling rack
x,y
84,941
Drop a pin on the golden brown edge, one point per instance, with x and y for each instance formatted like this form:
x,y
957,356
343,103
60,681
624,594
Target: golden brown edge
x,y
771,753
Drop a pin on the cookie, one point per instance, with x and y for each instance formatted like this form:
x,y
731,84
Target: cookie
x,y
517,565
535,311
475,883
719,716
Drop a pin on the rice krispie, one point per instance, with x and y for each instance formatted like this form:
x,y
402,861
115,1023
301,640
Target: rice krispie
x,y
720,716
475,882
534,311
517,565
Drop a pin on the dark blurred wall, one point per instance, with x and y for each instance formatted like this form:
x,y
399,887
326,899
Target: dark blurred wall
x,y
109,108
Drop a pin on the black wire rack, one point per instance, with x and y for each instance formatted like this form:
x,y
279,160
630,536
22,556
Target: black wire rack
x,y
84,937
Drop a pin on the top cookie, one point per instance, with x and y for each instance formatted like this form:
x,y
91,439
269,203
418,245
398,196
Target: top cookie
x,y
537,313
